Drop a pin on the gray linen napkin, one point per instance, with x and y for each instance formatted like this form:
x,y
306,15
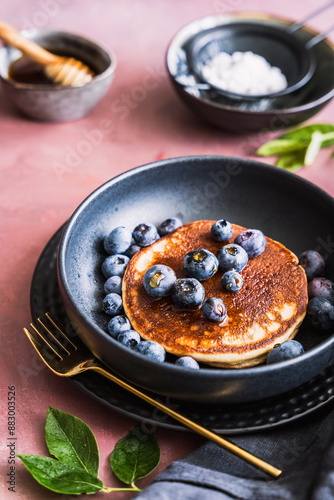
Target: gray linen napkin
x,y
304,450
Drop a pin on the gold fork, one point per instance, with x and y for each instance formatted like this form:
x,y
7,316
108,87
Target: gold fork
x,y
67,358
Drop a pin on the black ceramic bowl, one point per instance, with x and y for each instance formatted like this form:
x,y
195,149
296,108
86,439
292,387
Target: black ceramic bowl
x,y
249,115
284,206
280,48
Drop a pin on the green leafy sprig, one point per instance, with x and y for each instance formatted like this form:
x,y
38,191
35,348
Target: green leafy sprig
x,y
299,147
74,470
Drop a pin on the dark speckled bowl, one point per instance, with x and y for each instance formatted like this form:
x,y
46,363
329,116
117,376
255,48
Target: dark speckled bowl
x,y
284,206
54,103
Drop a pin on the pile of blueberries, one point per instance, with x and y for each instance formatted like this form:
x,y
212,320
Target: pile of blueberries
x,y
188,293
121,244
320,309
200,265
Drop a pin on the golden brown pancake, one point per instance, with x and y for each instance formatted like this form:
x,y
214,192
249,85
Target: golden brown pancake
x,y
267,310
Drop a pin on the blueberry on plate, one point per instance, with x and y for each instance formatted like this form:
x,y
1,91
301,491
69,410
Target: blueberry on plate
x,y
287,350
214,309
169,225
118,241
151,349
321,313
187,362
118,324
113,285
232,256
112,304
222,230
145,234
321,287
188,293
232,281
251,240
200,264
130,338
115,265
158,280
313,264
132,250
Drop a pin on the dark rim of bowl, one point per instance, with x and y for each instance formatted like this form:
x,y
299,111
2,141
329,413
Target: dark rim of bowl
x,y
251,17
110,70
168,367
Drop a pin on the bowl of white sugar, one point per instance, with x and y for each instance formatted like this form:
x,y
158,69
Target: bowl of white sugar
x,y
249,61
247,72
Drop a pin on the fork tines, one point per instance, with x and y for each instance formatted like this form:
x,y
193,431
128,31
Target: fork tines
x,y
52,335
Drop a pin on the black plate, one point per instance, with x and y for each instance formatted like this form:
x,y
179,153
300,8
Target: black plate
x,y
225,419
249,193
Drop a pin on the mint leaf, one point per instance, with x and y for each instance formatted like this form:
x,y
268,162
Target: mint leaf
x,y
304,134
135,456
280,146
71,441
291,161
313,148
60,477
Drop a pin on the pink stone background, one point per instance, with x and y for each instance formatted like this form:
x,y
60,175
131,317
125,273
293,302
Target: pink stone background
x,y
36,199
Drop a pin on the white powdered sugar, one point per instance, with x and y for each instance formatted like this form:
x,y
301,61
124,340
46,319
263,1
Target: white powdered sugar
x,y
243,73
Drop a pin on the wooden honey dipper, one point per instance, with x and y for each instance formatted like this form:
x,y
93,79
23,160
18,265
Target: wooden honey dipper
x,y
67,71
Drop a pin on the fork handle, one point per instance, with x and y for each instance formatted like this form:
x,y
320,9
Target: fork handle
x,y
34,51
236,450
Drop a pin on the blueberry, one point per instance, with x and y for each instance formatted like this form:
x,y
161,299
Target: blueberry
x,y
232,281
321,287
132,250
287,350
187,362
251,240
158,280
313,264
118,241
200,264
222,230
113,285
112,304
169,225
214,309
188,293
232,256
321,313
118,324
145,234
115,265
152,350
130,338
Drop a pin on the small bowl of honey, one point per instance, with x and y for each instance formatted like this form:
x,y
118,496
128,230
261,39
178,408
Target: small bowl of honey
x,y
38,97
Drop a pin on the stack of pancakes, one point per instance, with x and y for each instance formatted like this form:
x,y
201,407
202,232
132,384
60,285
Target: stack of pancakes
x,y
268,309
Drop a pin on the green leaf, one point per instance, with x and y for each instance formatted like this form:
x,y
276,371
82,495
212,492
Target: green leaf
x,y
313,148
60,477
71,441
291,161
135,456
280,146
304,134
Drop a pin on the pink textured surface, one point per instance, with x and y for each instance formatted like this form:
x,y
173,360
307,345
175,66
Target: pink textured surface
x,y
48,169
